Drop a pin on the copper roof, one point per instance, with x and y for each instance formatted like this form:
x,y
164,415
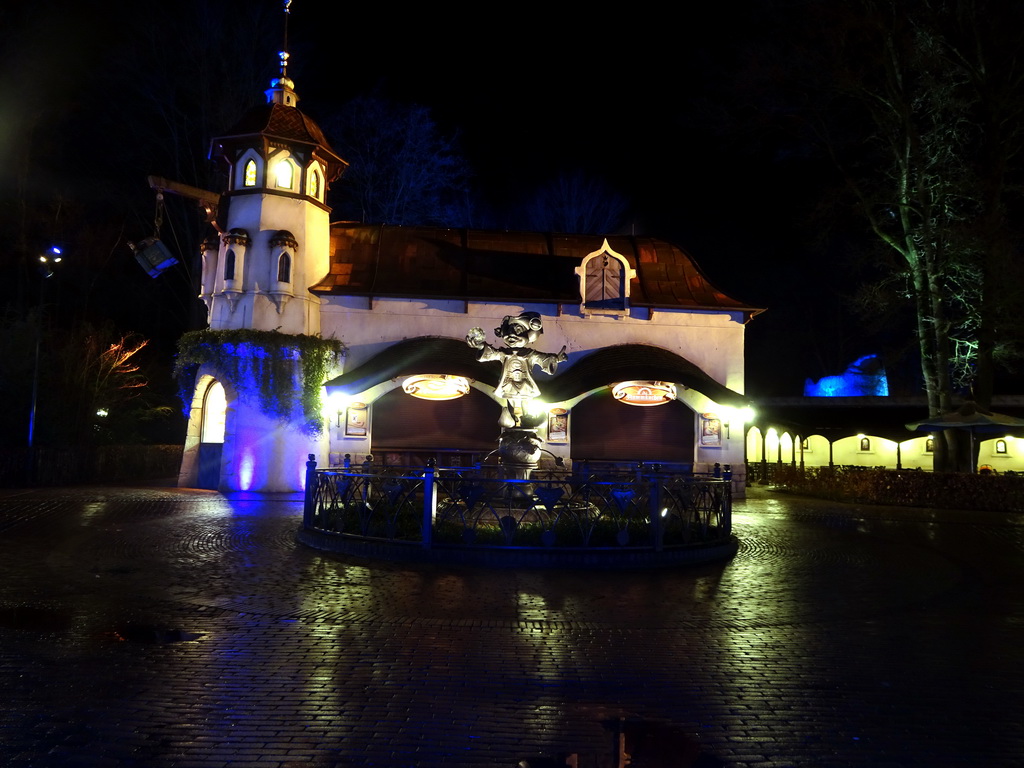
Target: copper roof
x,y
377,260
276,121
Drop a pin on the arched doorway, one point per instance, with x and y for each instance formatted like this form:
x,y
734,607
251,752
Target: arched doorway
x,y
211,438
603,429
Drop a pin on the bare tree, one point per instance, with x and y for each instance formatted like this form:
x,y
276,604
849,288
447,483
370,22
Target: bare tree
x,y
575,201
402,168
926,124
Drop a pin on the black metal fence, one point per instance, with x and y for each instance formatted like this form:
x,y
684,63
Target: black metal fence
x,y
458,508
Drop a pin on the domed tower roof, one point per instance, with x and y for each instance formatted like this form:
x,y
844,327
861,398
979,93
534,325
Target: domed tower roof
x,y
278,123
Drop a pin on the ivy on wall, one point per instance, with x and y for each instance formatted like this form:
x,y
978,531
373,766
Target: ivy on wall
x,y
283,373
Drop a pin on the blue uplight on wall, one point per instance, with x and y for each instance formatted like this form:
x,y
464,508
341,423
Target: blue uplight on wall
x,y
864,377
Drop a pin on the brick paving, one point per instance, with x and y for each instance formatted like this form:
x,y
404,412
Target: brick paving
x,y
182,629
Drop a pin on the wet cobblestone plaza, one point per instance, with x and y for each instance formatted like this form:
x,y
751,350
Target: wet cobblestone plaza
x,y
158,627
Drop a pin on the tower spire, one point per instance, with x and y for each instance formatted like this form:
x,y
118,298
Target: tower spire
x,y
282,89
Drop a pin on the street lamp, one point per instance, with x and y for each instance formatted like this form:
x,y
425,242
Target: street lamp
x,y
48,260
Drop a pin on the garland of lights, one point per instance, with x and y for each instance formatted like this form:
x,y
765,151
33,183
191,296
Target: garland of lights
x,y
261,367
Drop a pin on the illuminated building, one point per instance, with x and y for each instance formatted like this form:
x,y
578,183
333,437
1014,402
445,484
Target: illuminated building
x,y
631,311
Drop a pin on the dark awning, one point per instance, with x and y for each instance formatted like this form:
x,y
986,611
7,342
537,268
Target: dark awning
x,y
624,362
422,354
628,362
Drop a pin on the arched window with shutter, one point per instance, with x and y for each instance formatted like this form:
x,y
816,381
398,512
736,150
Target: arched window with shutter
x,y
284,267
604,277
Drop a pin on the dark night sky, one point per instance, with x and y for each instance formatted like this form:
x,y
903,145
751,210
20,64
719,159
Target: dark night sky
x,y
637,96
643,97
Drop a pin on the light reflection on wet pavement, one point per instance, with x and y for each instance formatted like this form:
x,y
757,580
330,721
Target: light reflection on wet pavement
x,y
156,627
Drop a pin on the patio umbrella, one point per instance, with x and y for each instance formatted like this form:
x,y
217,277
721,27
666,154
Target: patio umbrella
x,y
971,418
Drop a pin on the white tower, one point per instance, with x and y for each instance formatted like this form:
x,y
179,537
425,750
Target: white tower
x,y
275,244
277,226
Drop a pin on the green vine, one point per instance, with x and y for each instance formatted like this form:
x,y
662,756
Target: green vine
x,y
261,366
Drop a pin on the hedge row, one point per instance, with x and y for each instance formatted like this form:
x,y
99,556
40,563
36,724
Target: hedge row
x,y
906,488
49,466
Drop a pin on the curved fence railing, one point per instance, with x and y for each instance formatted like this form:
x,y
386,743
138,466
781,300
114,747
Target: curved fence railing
x,y
464,510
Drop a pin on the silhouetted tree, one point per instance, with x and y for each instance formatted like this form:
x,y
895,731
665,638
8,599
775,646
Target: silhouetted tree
x,y
402,168
919,106
574,201
81,373
945,124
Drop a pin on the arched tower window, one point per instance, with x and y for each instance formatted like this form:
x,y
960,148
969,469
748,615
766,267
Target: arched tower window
x,y
284,174
284,267
250,174
282,245
314,184
235,243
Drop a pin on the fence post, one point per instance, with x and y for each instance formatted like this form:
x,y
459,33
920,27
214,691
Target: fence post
x,y
309,499
727,507
367,482
654,510
429,502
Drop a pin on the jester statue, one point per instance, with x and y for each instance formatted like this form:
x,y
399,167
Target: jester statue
x,y
519,445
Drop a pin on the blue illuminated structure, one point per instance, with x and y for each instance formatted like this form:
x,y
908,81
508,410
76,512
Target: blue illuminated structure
x,y
865,377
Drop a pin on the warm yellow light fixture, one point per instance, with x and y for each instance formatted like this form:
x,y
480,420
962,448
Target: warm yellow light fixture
x,y
436,386
644,392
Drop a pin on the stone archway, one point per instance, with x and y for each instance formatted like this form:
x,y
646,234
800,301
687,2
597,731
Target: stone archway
x,y
211,436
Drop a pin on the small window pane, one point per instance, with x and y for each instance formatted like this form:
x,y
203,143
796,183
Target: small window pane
x,y
283,174
250,173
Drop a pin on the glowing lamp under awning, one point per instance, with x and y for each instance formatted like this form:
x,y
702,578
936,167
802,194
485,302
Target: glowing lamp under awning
x,y
644,392
436,386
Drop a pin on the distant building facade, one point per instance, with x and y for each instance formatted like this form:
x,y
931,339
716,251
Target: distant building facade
x,y
867,432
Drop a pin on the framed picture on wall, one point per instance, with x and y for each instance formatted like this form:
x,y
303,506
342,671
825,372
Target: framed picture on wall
x,y
558,425
356,420
710,431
